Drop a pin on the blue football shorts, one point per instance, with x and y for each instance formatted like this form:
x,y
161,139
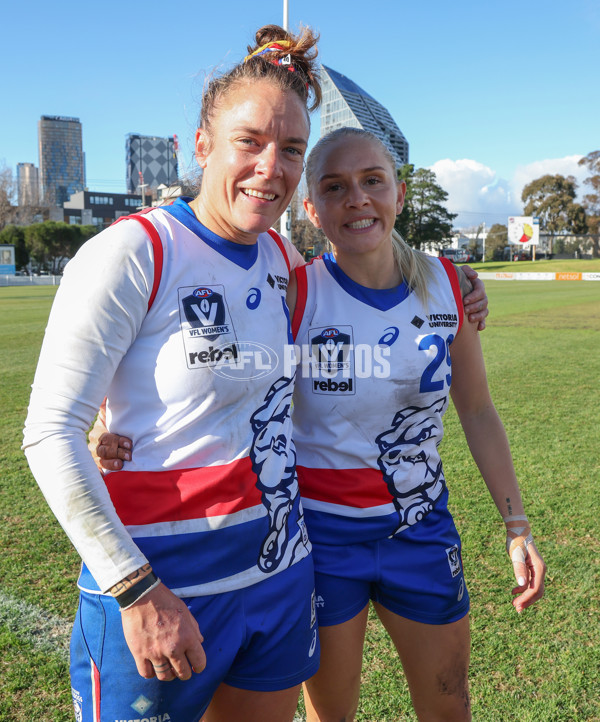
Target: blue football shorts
x,y
416,574
263,637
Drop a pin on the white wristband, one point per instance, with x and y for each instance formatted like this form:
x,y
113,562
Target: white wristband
x,y
518,537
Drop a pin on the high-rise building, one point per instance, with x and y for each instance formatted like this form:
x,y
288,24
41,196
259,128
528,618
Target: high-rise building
x,y
347,104
28,185
62,162
150,161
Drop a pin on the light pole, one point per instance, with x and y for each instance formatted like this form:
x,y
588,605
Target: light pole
x,y
285,227
483,243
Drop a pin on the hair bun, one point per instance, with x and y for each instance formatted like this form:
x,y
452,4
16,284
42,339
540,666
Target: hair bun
x,y
292,66
269,34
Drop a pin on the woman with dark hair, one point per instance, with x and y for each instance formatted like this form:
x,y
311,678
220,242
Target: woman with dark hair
x,y
196,557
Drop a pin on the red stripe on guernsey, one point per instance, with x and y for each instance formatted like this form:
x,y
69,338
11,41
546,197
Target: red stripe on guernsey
x,y
360,488
156,247
152,497
277,238
302,293
452,273
95,674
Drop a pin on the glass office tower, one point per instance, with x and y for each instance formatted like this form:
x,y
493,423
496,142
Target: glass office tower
x,y
347,104
62,164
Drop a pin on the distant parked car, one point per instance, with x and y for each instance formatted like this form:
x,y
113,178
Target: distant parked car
x,y
457,255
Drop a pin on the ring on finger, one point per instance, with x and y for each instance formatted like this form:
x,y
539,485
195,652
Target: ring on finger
x,y
161,667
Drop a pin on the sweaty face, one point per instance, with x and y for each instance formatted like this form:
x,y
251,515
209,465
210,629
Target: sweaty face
x,y
252,161
355,196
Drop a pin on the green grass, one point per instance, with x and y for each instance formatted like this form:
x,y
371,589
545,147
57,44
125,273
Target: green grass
x,y
542,348
580,265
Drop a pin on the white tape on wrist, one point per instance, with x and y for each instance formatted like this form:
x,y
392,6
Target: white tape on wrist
x,y
518,537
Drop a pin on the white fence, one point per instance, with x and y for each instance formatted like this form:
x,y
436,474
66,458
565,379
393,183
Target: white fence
x,y
8,280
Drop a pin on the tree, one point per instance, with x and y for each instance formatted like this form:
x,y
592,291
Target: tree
x,y
497,239
310,241
51,243
552,199
15,236
591,201
7,192
424,218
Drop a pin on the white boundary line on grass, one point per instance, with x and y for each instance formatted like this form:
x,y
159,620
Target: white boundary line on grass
x,y
44,631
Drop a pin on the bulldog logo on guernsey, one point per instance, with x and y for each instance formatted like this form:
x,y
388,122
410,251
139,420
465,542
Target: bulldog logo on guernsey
x,y
204,318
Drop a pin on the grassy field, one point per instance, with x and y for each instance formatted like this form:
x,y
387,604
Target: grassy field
x,y
542,348
541,266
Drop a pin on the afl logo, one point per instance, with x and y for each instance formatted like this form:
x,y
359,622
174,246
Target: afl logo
x,y
202,293
330,333
244,360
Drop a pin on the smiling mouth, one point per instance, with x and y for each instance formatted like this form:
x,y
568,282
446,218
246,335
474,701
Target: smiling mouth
x,y
259,194
364,223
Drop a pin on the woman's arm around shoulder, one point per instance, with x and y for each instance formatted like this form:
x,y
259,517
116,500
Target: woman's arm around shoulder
x,y
473,294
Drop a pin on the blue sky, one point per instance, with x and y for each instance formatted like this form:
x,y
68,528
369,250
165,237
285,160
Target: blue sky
x,y
489,94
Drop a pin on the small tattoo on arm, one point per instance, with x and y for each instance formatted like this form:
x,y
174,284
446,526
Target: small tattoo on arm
x,y
130,580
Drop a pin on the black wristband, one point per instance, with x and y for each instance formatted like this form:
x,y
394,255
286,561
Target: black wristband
x,y
131,595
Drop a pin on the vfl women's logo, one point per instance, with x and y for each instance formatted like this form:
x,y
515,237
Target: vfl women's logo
x,y
274,462
332,362
205,318
205,311
331,349
414,480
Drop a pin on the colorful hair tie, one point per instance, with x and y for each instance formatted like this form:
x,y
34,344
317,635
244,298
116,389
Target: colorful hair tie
x,y
269,47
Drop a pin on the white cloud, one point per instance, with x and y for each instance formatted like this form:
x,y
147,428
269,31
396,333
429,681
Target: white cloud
x,y
524,174
477,193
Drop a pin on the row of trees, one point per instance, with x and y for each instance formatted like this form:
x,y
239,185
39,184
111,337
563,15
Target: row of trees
x,y
553,199
45,246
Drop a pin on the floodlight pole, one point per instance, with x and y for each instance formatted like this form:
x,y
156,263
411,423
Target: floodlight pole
x,y
285,227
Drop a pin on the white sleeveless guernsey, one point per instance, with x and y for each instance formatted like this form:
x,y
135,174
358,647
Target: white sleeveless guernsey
x,y
374,380
211,496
